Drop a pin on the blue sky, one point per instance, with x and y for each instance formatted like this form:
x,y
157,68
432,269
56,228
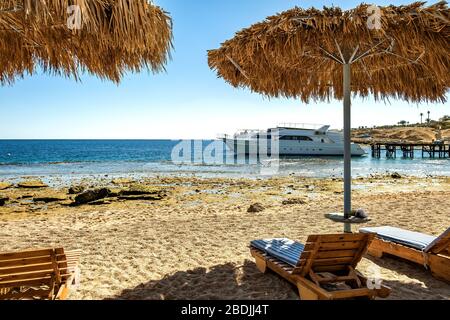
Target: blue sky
x,y
187,101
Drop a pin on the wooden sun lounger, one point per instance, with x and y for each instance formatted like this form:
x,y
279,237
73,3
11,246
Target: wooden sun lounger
x,y
325,269
38,274
434,255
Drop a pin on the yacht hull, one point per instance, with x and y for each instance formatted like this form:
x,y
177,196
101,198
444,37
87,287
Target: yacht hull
x,y
290,140
290,148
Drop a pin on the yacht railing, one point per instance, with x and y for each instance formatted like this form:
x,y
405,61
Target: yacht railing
x,y
310,126
247,133
243,134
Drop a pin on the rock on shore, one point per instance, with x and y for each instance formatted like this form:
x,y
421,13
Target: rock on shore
x,y
3,200
137,189
5,185
293,201
256,207
76,189
106,195
32,184
92,195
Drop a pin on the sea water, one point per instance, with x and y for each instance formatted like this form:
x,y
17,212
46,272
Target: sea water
x,y
91,158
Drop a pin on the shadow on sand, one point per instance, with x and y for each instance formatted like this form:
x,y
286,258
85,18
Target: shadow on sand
x,y
421,286
225,281
231,281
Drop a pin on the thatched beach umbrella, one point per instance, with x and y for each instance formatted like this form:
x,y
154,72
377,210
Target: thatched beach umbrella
x,y
102,37
388,52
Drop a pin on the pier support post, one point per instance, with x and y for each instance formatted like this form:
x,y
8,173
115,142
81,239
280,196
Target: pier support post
x,y
347,148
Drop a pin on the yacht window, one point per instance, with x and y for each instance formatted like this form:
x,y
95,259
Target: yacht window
x,y
323,141
297,138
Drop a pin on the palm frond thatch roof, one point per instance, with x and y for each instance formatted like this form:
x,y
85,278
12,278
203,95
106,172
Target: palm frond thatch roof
x,y
114,36
298,53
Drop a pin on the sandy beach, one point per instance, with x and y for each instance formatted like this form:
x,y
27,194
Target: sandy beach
x,y
193,243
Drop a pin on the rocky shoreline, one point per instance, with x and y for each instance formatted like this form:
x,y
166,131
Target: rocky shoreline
x,y
33,195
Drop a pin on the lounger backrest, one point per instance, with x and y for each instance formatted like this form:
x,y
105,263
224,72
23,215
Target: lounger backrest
x,y
44,267
441,245
333,252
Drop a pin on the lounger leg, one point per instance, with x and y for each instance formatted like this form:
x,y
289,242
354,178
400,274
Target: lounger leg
x,y
261,264
306,293
440,267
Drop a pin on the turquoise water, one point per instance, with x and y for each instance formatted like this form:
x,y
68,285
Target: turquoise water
x,y
79,158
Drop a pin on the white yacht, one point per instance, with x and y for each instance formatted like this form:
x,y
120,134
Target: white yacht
x,y
293,140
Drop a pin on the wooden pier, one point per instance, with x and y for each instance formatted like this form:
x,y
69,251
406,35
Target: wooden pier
x,y
429,150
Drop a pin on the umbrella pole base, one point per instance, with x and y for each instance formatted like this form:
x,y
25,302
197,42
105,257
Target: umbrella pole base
x,y
339,217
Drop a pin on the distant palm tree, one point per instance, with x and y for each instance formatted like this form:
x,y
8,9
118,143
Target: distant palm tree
x,y
428,120
421,117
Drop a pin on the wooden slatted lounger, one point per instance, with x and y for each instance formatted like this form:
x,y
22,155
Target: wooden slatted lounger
x,y
431,252
38,274
321,267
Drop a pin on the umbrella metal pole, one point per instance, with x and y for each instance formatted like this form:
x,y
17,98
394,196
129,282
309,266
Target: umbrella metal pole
x,y
347,148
